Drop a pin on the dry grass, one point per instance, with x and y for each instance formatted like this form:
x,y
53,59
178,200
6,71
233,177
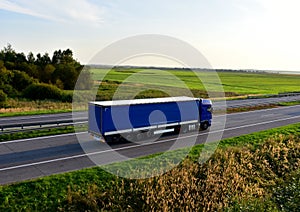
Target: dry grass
x,y
231,176
22,106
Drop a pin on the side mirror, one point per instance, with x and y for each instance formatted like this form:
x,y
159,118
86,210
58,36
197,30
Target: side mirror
x,y
210,109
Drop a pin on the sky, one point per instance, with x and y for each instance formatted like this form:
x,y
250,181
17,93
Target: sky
x,y
233,34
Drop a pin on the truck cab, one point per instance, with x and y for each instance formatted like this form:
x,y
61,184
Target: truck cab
x,y
205,113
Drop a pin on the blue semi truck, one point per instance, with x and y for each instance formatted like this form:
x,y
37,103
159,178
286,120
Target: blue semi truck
x,y
140,119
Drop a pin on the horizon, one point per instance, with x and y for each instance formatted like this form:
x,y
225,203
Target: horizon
x,y
250,34
100,66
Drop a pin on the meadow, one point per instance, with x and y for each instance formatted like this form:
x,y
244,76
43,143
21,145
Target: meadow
x,y
233,82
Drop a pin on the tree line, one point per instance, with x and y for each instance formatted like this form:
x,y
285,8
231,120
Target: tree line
x,y
42,72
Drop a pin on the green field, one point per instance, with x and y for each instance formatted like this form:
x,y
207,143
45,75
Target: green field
x,y
233,83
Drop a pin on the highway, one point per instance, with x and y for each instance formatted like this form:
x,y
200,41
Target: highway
x,y
82,116
32,158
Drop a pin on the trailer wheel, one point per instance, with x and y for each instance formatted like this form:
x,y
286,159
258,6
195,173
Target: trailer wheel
x,y
184,129
204,125
149,134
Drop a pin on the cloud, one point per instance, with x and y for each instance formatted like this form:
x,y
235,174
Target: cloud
x,y
79,11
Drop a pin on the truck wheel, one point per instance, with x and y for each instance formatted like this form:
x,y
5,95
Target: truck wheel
x,y
129,137
204,125
139,136
112,138
177,129
108,139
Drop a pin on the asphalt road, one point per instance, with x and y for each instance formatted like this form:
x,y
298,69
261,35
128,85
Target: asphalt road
x,y
82,116
32,158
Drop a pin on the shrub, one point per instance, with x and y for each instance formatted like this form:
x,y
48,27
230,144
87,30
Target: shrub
x,y
233,179
287,194
21,80
66,96
42,91
9,90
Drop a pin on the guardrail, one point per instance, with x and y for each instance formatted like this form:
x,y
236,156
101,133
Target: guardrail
x,y
13,128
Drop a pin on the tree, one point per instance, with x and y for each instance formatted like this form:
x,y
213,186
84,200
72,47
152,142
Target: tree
x,y
42,61
67,70
67,74
32,70
21,80
61,70
56,58
47,73
2,67
5,76
9,53
20,58
63,57
8,56
3,99
30,58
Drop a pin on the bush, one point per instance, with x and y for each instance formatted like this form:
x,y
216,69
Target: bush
x,y
3,98
233,179
42,91
9,90
66,96
287,194
21,80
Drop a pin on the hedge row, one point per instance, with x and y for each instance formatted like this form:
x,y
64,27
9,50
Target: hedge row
x,y
43,91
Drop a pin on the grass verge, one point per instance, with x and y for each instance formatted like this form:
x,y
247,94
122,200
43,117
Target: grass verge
x,y
20,107
37,112
289,103
246,172
259,107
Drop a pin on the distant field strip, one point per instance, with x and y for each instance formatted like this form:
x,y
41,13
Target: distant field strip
x,y
237,82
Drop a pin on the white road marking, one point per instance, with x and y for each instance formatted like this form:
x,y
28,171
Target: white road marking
x,y
139,145
267,115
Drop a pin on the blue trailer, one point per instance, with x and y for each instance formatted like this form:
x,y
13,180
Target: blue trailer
x,y
139,119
